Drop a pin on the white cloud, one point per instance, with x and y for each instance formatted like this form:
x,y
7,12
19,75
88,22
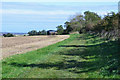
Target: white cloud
x,y
56,12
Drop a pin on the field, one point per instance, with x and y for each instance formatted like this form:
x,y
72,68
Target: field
x,y
80,56
18,45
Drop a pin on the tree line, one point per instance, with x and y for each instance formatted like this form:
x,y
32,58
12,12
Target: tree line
x,y
90,22
34,32
106,27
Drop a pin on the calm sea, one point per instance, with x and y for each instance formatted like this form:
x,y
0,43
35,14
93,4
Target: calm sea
x,y
1,33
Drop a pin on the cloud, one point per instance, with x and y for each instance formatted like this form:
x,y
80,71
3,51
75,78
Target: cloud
x,y
55,12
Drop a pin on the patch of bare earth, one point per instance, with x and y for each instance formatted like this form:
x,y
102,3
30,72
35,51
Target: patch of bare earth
x,y
18,45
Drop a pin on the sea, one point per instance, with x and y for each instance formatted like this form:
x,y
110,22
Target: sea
x,y
14,33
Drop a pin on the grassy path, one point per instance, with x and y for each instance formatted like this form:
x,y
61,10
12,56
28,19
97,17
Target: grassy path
x,y
77,57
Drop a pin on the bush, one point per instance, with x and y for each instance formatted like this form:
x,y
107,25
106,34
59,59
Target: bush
x,y
8,35
43,32
32,33
60,29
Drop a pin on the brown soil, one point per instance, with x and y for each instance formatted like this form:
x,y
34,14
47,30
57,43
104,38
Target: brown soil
x,y
18,45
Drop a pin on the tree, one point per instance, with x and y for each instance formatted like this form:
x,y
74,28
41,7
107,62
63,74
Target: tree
x,y
91,16
39,33
91,19
77,22
43,32
83,23
8,35
108,27
60,29
119,26
68,27
32,33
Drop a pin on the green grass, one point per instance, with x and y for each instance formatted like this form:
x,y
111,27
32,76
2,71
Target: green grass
x,y
80,56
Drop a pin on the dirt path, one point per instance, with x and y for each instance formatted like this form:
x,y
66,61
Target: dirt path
x,y
18,45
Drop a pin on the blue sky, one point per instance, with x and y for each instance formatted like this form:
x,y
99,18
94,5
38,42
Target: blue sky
x,y
26,16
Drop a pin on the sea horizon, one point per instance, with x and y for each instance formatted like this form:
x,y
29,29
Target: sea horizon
x,y
14,33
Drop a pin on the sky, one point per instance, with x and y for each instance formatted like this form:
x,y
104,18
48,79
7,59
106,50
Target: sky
x,y
25,16
60,0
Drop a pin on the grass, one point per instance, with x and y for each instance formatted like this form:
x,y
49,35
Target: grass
x,y
80,56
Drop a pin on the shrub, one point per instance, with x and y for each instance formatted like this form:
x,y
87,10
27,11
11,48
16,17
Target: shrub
x,y
32,33
8,35
60,29
43,32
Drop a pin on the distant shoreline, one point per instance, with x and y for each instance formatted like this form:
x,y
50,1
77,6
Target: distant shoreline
x,y
14,33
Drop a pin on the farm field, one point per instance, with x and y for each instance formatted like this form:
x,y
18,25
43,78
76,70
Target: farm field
x,y
80,56
60,40
18,45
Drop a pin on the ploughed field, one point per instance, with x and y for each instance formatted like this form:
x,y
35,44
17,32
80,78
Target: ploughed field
x,y
18,45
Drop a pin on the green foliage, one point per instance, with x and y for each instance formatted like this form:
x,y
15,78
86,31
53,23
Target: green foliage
x,y
111,68
107,55
34,32
43,32
83,23
60,29
80,56
68,27
108,26
91,16
39,33
8,35
91,22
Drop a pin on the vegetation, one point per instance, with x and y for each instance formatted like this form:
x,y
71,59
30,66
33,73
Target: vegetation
x,y
80,56
8,35
92,23
94,53
82,23
43,32
34,32
60,30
